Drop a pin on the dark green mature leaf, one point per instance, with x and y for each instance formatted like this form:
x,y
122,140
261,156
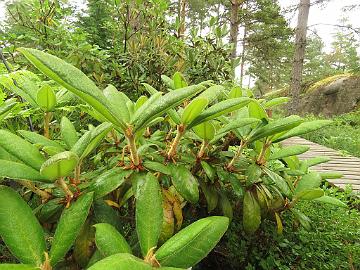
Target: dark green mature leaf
x,y
46,98
164,103
109,241
304,128
251,213
185,183
68,132
193,243
331,200
74,80
19,228
69,226
17,267
121,261
149,213
191,111
20,171
109,181
279,182
308,181
211,195
219,109
59,165
289,151
309,194
21,149
157,167
253,173
303,219
40,140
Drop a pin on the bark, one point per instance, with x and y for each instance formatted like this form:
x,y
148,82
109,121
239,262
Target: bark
x,y
234,24
242,64
182,17
300,44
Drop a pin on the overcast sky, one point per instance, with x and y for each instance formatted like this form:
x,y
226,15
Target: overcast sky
x,y
322,16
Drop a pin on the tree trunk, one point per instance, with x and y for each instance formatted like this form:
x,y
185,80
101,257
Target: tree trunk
x,y
242,64
182,17
234,24
300,44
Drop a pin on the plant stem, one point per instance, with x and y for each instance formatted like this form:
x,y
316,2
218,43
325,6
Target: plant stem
x,y
47,117
77,173
43,194
261,159
180,132
132,147
62,184
237,154
202,150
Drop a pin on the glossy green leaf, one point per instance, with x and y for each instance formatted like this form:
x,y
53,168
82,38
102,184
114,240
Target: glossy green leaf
x,y
219,109
251,213
21,149
253,173
212,93
118,101
209,170
149,213
147,105
256,110
331,200
20,171
69,226
235,92
179,80
109,181
46,98
185,183
39,140
68,132
308,181
97,135
309,194
289,151
59,165
109,241
19,229
73,80
275,102
304,128
205,131
192,110
121,261
157,167
193,243
164,103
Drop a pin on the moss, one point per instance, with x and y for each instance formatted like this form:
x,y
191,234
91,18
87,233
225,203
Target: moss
x,y
326,81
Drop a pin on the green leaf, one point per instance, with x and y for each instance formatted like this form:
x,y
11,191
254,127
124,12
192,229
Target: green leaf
x,y
331,200
20,171
157,167
46,98
73,80
185,183
179,80
109,181
212,93
205,131
193,243
69,226
289,151
149,213
279,182
209,171
304,128
309,194
256,110
121,261
275,102
226,206
140,101
219,109
19,228
251,213
168,81
68,132
316,160
59,165
40,140
147,105
308,181
21,149
235,92
164,103
109,241
17,267
118,101
303,219
331,175
253,173
211,195
192,110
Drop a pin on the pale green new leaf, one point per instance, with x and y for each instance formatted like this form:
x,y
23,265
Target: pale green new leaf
x,y
192,110
59,165
118,101
309,194
289,151
235,92
308,181
331,200
212,93
205,131
68,132
275,102
18,267
121,261
46,98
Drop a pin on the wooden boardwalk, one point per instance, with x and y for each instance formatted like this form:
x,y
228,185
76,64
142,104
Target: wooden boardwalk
x,y
347,165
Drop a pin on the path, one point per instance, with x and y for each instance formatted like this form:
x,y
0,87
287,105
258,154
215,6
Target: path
x,y
347,165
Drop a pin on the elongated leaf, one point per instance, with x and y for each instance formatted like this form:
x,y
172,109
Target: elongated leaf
x,y
59,165
279,182
308,181
205,131
46,98
149,213
97,134
251,213
256,110
69,226
275,102
73,80
38,139
303,219
331,200
109,181
309,194
168,81
304,128
21,149
19,228
211,196
20,171
185,183
179,80
289,151
147,105
17,267
118,101
219,109
275,127
331,175
109,241
212,93
6,107
192,244
68,132
121,261
192,110
164,103
235,92
316,160
226,206
157,167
